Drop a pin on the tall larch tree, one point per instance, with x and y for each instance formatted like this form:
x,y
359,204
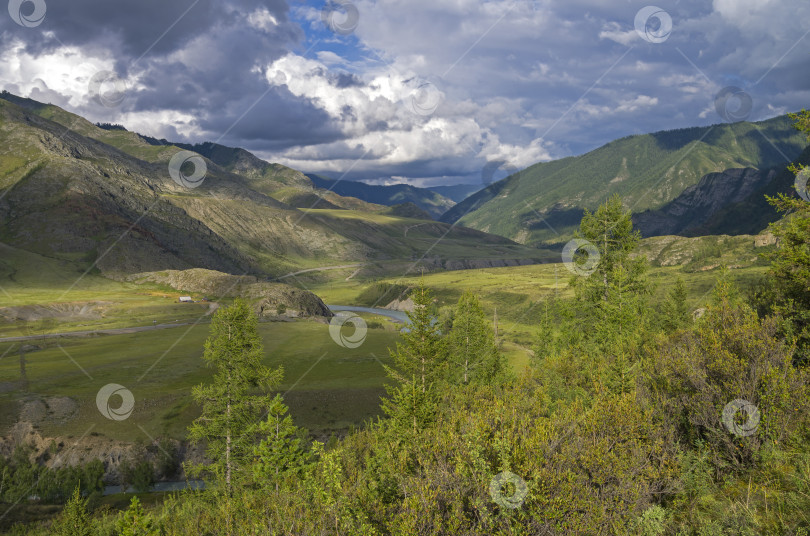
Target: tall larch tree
x,y
473,356
419,364
235,402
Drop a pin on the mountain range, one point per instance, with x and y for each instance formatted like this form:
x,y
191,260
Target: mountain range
x,y
711,167
103,198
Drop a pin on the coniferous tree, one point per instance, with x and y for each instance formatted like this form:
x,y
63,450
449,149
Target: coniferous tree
x,y
473,355
610,230
234,403
282,451
790,264
75,519
675,310
135,522
419,364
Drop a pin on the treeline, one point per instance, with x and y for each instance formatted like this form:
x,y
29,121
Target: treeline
x,y
22,478
636,417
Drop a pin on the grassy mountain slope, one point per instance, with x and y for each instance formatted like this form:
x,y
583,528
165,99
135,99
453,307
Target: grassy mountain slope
x,y
753,214
544,202
73,196
457,192
431,202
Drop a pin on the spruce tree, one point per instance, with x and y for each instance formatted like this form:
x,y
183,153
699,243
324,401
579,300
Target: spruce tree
x,y
610,230
675,310
473,355
790,266
419,364
234,403
135,522
282,451
75,519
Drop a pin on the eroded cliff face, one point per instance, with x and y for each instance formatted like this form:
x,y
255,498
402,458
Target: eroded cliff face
x,y
700,202
67,451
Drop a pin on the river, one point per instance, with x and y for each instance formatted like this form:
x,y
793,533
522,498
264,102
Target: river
x,y
397,316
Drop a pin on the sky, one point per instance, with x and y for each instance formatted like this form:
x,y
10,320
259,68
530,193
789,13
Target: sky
x,y
425,92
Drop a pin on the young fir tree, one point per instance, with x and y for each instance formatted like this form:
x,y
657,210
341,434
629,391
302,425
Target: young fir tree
x,y
675,311
610,229
473,355
419,363
75,519
235,402
135,522
790,264
613,298
282,452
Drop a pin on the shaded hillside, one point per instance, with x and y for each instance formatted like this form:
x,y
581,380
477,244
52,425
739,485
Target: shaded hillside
x,y
732,202
698,203
104,199
543,202
754,213
457,192
426,199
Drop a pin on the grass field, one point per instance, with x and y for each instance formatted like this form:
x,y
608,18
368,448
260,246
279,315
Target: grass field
x,y
517,293
330,387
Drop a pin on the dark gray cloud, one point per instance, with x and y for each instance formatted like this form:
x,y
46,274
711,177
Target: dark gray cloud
x,y
515,81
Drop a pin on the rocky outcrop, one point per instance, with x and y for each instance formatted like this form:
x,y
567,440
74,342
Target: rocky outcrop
x,y
698,203
56,452
267,298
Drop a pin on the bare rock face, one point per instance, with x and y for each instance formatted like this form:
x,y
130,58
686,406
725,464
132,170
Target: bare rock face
x,y
405,305
267,297
764,239
57,452
699,202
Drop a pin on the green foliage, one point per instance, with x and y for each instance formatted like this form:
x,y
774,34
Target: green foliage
x,y
730,355
790,271
138,473
610,229
473,355
134,522
20,477
282,453
674,312
420,364
231,409
75,519
381,293
168,460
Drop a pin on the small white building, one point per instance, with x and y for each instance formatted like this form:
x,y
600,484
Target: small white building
x,y
185,299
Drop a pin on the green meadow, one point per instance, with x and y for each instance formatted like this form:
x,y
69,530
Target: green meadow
x,y
329,388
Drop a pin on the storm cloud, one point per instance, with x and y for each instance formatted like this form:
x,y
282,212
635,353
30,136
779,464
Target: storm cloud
x,y
422,91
